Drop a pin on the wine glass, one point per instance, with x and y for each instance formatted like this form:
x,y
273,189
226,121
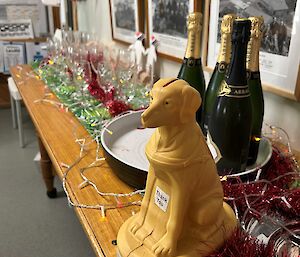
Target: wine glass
x,y
75,55
58,59
77,37
126,59
85,37
51,47
68,37
126,68
114,59
95,51
81,77
105,74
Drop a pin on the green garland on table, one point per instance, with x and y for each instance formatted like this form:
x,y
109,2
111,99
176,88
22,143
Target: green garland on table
x,y
91,113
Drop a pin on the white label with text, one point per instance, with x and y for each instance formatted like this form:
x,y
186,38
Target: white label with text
x,y
161,199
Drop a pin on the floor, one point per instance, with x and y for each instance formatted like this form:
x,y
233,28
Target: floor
x,y
30,223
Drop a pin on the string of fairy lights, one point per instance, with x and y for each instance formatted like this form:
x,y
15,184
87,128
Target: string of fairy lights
x,y
98,162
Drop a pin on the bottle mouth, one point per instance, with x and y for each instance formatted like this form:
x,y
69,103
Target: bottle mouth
x,y
241,30
194,16
241,19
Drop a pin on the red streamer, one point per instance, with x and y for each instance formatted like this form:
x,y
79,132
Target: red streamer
x,y
115,107
241,244
271,195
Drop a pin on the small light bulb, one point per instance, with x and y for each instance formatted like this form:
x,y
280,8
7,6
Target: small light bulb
x,y
256,139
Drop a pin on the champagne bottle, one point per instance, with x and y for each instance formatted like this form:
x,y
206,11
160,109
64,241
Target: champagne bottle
x,y
230,123
191,68
254,82
219,70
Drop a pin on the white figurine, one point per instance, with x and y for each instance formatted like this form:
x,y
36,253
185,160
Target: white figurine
x,y
151,57
139,49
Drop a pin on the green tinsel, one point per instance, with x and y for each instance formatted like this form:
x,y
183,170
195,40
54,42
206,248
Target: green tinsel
x,y
90,112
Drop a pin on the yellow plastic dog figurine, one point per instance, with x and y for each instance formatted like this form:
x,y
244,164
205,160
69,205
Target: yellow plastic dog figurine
x,y
182,212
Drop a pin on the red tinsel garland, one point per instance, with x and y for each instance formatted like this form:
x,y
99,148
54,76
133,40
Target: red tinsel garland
x,y
114,106
96,91
270,195
280,165
271,192
241,244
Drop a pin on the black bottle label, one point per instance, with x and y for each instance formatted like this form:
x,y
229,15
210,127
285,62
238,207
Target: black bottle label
x,y
191,62
233,91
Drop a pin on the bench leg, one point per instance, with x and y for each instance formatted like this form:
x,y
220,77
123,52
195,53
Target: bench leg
x,y
13,111
46,167
20,125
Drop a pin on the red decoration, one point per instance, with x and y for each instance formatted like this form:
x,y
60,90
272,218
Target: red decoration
x,y
96,91
240,244
110,94
116,107
290,207
69,73
44,61
280,165
271,195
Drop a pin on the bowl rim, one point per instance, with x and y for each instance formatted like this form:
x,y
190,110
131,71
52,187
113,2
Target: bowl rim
x,y
104,145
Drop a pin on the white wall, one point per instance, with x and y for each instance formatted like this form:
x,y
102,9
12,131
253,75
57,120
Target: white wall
x,y
93,16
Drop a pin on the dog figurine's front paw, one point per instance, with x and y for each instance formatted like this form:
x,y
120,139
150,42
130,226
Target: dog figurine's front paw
x,y
165,246
134,227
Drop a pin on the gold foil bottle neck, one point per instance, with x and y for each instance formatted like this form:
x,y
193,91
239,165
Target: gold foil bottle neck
x,y
226,31
227,23
194,26
194,21
254,43
256,26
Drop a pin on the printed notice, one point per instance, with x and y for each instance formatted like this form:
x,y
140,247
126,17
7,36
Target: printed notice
x,y
161,199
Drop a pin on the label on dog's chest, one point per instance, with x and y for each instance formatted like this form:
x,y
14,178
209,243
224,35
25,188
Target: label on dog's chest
x,y
161,199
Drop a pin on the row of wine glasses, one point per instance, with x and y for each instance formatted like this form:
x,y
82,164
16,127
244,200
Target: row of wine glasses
x,y
80,60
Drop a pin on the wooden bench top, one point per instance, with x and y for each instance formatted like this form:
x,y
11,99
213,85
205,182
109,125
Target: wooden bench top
x,y
56,128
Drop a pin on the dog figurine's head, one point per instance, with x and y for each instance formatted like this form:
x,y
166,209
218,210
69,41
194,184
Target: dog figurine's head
x,y
173,102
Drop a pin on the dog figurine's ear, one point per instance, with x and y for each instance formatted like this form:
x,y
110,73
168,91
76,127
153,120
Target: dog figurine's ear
x,y
190,104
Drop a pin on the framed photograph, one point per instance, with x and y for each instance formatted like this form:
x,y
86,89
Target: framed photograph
x,y
126,19
279,54
166,21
